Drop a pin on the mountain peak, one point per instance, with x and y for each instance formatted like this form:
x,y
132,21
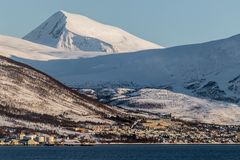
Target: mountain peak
x,y
76,32
62,12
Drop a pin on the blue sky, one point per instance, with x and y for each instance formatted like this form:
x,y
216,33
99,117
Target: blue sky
x,y
166,22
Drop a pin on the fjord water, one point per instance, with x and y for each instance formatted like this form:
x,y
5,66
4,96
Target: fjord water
x,y
123,152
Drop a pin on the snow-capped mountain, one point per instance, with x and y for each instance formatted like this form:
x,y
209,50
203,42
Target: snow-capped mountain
x,y
208,70
31,99
75,32
200,77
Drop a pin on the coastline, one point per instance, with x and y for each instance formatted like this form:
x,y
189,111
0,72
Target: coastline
x,y
99,144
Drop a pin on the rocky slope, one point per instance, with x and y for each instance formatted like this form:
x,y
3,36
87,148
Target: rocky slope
x,y
31,99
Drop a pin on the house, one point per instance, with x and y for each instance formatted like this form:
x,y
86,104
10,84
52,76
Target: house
x,y
14,142
238,136
50,140
81,130
22,135
31,142
2,142
40,139
30,136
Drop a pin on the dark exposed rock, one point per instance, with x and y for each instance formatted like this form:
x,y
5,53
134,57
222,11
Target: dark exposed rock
x,y
234,85
213,91
193,85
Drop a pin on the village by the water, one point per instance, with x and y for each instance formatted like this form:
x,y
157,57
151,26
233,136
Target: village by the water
x,y
165,130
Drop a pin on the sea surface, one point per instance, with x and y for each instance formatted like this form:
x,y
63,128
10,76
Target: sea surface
x,y
123,152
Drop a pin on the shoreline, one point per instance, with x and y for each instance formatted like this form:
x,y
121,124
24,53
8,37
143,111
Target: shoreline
x,y
99,144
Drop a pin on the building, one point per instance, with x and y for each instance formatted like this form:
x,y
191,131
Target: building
x,y
81,130
31,142
31,136
50,140
41,139
2,142
14,142
22,135
238,136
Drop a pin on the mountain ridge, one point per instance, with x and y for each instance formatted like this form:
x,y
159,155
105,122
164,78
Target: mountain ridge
x,y
196,69
30,98
75,32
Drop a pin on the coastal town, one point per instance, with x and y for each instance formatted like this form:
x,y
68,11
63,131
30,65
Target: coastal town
x,y
172,131
32,138
165,130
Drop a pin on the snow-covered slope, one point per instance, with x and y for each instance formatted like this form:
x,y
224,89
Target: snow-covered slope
x,y
10,46
160,101
75,32
15,47
208,70
28,96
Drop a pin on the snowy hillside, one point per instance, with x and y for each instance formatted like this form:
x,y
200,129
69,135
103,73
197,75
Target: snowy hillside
x,y
10,46
160,101
208,70
75,32
29,98
15,47
184,107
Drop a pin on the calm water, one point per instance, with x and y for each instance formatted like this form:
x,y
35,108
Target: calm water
x,y
123,152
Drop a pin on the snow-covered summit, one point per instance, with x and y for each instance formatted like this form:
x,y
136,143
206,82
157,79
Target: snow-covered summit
x,y
75,32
